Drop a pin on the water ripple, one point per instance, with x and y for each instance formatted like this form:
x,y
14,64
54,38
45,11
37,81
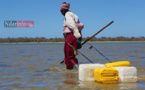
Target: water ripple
x,y
37,66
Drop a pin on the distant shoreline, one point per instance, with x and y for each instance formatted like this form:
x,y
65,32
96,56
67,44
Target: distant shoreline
x,y
63,42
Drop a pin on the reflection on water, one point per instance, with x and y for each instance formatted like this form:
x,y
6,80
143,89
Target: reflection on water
x,y
96,85
37,66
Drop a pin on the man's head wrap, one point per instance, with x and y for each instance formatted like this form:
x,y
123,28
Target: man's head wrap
x,y
65,6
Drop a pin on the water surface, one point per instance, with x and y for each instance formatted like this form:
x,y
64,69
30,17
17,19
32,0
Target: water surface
x,y
37,66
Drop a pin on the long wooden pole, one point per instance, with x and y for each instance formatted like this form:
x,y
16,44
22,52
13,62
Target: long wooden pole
x,y
97,33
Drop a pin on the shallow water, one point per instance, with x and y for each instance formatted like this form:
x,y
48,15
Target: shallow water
x,y
37,66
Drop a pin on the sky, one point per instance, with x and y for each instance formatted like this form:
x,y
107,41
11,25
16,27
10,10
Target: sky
x,y
128,17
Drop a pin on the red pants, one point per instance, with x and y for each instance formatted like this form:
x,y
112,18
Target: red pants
x,y
70,58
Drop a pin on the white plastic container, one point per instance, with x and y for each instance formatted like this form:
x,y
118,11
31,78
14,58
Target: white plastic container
x,y
86,71
127,74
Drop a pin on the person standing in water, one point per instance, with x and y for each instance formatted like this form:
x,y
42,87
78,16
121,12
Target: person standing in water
x,y
72,34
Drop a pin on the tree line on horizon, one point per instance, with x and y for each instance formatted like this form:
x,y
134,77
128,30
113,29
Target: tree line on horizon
x,y
43,39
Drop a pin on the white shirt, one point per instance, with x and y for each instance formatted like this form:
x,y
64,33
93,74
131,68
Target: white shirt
x,y
69,25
